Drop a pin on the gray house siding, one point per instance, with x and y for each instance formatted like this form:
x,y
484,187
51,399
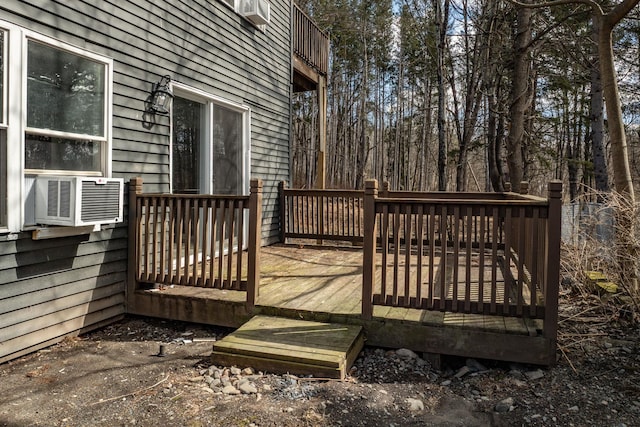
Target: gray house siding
x,y
64,286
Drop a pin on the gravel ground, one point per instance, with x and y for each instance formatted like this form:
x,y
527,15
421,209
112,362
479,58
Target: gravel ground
x,y
114,377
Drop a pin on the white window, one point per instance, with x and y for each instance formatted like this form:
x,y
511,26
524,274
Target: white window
x,y
55,117
66,106
209,144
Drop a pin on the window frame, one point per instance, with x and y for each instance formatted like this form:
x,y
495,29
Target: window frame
x,y
104,140
14,118
4,161
210,101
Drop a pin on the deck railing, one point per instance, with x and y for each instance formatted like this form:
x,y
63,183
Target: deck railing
x,y
321,214
482,253
470,253
310,43
209,241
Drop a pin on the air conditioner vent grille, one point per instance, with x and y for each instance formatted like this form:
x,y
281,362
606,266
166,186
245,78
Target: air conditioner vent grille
x,y
59,198
100,201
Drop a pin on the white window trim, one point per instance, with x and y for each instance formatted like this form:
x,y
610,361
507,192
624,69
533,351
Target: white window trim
x,y
189,92
15,116
108,116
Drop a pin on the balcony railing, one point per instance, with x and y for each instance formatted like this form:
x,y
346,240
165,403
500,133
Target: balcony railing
x,y
310,43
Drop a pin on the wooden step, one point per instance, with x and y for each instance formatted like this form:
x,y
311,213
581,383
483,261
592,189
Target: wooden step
x,y
300,347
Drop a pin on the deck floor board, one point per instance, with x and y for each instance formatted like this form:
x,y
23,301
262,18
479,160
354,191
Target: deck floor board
x,y
325,285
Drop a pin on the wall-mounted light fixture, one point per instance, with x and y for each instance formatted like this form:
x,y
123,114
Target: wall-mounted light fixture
x,y
161,96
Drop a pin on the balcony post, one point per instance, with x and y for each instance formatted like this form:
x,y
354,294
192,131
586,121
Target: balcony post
x,y
369,247
255,237
133,245
552,278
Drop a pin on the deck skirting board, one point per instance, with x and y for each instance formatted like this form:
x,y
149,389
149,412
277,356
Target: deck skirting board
x,y
190,309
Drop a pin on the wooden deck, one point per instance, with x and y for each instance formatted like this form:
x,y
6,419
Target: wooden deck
x,y
324,284
473,275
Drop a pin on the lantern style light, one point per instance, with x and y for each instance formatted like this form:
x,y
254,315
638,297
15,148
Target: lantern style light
x,y
161,96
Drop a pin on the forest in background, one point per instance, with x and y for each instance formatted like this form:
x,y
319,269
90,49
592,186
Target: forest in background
x,y
466,95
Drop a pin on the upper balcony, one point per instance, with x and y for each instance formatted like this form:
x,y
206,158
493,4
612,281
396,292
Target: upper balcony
x,y
310,52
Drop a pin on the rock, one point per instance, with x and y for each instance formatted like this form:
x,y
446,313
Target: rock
x,y
230,390
247,371
445,383
266,387
534,375
235,371
405,353
475,366
574,408
505,405
462,372
248,388
415,405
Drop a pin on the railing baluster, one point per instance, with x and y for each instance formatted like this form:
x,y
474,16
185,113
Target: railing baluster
x,y
384,241
196,279
457,234
506,271
420,243
495,226
239,253
221,234
467,293
214,237
396,251
206,217
407,255
443,259
231,222
163,238
432,254
522,241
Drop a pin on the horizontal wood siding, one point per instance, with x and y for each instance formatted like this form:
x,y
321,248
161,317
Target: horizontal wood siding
x,y
53,288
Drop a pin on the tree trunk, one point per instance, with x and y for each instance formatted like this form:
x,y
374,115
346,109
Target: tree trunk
x,y
619,154
601,176
442,18
519,97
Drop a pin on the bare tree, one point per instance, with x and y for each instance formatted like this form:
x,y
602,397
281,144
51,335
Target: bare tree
x,y
604,23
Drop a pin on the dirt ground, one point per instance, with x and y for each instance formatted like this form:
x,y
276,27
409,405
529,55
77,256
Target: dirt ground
x,y
114,377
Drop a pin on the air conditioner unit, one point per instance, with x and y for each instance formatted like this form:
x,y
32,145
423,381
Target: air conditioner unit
x,y
77,201
256,11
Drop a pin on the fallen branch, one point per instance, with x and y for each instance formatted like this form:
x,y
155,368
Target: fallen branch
x,y
133,393
568,360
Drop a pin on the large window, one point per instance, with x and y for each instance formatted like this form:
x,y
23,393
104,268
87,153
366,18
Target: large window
x,y
66,104
210,144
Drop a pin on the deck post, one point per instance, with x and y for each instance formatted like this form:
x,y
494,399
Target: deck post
x,y
552,279
255,237
369,247
133,245
282,185
386,187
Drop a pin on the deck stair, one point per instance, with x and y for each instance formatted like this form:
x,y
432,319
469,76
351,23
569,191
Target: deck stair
x,y
300,347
